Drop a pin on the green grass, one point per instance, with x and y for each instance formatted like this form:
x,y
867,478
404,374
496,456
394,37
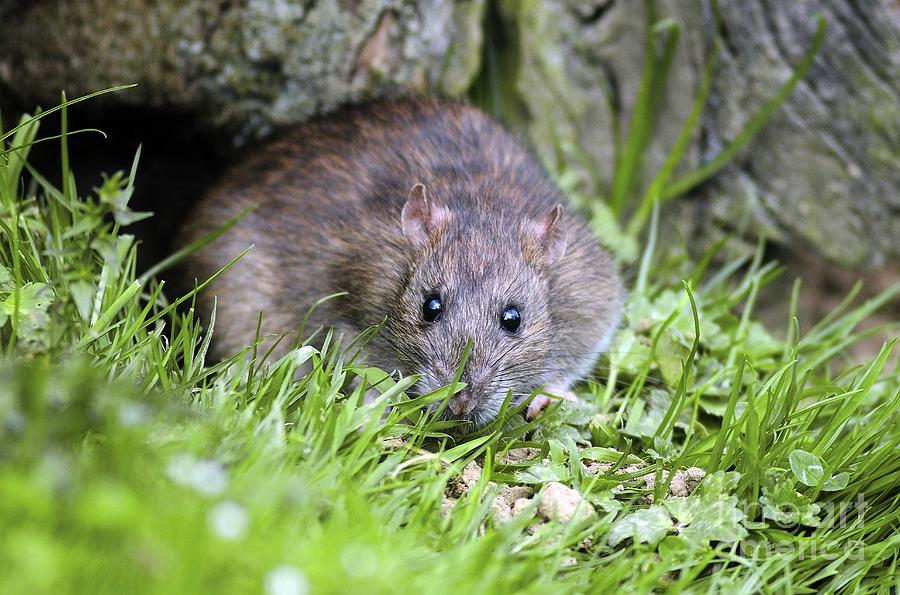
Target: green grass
x,y
129,463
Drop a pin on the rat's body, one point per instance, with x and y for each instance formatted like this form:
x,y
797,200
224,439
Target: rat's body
x,y
400,204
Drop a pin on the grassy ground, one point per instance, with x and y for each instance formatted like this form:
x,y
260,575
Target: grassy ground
x,y
128,463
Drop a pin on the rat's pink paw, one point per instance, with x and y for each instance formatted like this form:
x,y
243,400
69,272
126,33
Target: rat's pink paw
x,y
542,401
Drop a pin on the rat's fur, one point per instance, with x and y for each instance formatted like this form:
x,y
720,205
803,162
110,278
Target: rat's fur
x,y
483,230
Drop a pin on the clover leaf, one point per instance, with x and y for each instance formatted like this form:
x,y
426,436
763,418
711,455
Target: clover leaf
x,y
648,525
809,470
785,505
711,513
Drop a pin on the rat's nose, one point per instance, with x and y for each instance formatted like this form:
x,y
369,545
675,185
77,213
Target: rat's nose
x,y
463,403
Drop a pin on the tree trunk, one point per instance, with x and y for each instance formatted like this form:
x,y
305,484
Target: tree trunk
x,y
247,65
823,176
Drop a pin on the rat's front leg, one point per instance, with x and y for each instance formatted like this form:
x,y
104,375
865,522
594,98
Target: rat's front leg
x,y
542,401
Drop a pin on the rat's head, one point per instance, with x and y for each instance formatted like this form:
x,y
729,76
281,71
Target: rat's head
x,y
483,279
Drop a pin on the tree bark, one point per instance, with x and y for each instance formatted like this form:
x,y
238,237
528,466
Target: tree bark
x,y
823,176
247,65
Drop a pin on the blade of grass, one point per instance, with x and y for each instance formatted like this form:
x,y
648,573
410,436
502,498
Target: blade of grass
x,y
64,105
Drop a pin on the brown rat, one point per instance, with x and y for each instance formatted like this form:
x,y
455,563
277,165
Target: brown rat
x,y
435,221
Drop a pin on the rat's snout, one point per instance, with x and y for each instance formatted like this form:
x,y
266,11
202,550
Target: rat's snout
x,y
467,400
463,403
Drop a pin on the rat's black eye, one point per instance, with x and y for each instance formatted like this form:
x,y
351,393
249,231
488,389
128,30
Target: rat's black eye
x,y
432,308
510,319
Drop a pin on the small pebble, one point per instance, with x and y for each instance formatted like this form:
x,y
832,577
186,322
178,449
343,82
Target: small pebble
x,y
562,503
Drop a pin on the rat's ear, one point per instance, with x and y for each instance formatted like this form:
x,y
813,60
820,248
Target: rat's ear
x,y
421,219
550,235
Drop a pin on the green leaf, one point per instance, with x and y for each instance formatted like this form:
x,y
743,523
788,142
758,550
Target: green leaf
x,y
759,342
809,470
711,513
807,467
116,191
32,319
607,229
720,482
644,417
663,449
603,454
606,501
82,293
719,520
669,357
630,352
783,504
553,468
836,482
543,473
566,421
649,526
6,279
